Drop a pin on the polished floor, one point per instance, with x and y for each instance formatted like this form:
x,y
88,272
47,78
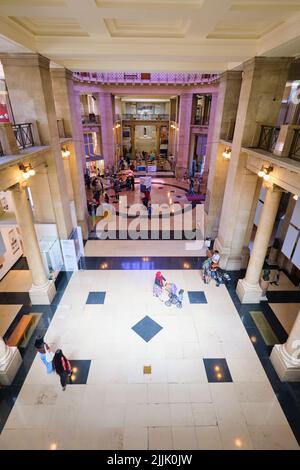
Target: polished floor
x,y
179,405
145,375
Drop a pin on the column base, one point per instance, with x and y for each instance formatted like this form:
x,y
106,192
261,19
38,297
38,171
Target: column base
x,y
85,228
247,293
231,263
9,370
287,368
42,295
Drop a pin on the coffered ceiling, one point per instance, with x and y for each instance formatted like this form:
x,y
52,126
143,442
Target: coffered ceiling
x,y
151,35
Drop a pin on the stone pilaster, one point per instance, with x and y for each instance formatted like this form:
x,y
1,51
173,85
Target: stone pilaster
x,y
30,89
263,84
7,139
107,125
183,143
225,116
66,103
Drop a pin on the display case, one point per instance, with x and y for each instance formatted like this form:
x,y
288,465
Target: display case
x,y
52,255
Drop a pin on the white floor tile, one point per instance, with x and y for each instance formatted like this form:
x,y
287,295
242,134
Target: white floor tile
x,y
160,438
184,438
208,438
135,438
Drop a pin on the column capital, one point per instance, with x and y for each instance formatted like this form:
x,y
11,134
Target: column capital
x,y
24,60
273,188
231,75
186,94
105,94
264,62
62,73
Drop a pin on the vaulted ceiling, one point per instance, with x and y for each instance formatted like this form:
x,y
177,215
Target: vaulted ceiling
x,y
151,35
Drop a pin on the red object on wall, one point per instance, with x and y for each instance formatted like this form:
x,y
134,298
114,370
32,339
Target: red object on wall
x,y
3,113
145,76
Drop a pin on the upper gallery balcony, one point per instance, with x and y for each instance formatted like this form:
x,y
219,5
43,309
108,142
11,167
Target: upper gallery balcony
x,y
145,117
156,78
90,119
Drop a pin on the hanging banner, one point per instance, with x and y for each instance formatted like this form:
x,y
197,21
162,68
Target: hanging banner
x,y
3,113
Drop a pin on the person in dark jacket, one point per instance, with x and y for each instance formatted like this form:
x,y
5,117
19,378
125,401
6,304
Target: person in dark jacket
x,y
62,367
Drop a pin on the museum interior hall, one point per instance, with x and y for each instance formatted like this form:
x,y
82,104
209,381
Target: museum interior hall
x,y
150,225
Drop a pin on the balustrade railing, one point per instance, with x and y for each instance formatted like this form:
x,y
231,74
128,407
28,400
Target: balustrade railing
x,y
90,119
146,117
23,135
268,138
295,147
144,78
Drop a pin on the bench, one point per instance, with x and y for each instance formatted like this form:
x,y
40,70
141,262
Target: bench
x,y
19,332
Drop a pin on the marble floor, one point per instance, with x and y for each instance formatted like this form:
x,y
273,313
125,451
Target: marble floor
x,y
286,314
7,315
16,281
145,248
179,405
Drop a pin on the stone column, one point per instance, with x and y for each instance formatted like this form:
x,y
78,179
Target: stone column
x,y
7,139
10,361
107,124
42,291
41,196
211,130
30,89
226,109
191,150
66,103
132,139
248,289
157,139
263,84
183,143
78,117
286,357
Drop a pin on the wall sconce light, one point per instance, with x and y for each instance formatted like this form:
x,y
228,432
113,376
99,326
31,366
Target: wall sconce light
x,y
296,197
264,172
118,125
65,152
227,153
27,170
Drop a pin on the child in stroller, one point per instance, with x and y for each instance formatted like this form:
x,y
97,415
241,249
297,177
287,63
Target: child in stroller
x,y
174,298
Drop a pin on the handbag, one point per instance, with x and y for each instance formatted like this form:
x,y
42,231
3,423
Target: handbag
x,y
49,355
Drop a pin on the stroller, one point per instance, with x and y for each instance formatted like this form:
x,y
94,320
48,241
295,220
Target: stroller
x,y
175,299
220,277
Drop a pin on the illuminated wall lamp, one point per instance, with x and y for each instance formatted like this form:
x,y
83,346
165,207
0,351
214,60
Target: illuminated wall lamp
x,y
296,197
227,154
65,152
27,171
265,172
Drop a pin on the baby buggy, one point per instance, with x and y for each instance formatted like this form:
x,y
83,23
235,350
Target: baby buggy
x,y
175,299
220,277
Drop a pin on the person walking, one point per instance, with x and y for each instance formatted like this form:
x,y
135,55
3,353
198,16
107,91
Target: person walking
x,y
62,367
44,353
